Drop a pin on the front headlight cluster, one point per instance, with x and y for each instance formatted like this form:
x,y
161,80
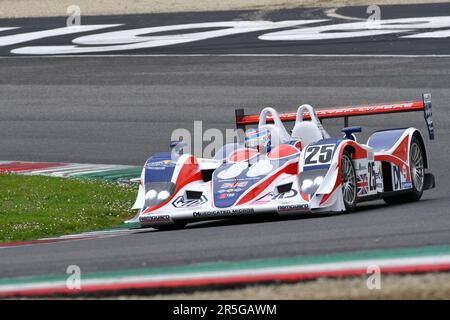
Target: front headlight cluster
x,y
158,192
311,180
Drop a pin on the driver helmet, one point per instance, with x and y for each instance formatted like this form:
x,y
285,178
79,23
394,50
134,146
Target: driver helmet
x,y
259,140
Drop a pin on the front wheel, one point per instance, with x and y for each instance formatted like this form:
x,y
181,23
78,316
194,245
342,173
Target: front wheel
x,y
348,182
417,173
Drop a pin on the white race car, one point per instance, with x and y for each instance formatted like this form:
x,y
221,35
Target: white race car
x,y
280,173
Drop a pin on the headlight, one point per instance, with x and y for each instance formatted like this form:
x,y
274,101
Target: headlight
x,y
306,185
163,195
151,194
158,192
318,180
311,180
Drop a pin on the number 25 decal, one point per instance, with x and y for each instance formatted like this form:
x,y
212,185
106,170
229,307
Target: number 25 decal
x,y
316,155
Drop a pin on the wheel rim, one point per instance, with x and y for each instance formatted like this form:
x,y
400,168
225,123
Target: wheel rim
x,y
348,181
417,170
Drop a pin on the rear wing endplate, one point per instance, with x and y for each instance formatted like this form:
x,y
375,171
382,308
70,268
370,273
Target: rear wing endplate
x,y
242,120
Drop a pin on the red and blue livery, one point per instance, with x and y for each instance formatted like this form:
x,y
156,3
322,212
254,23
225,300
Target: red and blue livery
x,y
276,172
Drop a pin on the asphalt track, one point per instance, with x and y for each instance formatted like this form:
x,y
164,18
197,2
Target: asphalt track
x,y
243,43
121,109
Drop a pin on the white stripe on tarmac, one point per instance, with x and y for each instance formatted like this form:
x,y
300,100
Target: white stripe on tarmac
x,y
105,169
322,267
234,55
54,169
102,234
77,169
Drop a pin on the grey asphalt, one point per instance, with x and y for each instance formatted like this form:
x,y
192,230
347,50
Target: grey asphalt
x,y
121,109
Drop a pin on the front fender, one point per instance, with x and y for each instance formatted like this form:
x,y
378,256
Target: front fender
x,y
319,162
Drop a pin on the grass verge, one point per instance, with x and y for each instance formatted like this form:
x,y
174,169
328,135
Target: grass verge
x,y
33,207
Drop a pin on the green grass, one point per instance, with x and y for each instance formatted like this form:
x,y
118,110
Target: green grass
x,y
33,207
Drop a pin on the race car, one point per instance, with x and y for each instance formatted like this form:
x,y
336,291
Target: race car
x,y
276,172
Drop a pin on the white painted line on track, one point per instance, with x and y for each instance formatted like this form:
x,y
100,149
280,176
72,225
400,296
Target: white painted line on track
x,y
57,169
233,55
77,169
92,169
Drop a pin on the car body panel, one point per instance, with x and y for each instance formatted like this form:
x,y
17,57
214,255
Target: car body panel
x,y
288,179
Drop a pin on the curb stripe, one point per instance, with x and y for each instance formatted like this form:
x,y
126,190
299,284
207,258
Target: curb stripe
x,y
42,241
286,274
108,172
27,166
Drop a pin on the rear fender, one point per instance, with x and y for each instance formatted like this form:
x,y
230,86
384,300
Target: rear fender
x,y
392,148
391,141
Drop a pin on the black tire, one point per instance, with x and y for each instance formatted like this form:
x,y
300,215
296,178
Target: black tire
x,y
168,227
348,182
417,172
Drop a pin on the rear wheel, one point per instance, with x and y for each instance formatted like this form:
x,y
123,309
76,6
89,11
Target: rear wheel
x,y
417,171
348,182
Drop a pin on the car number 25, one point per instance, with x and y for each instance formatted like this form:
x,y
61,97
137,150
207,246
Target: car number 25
x,y
317,155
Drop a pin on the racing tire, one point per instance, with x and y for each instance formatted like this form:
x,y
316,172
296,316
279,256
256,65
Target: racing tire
x,y
175,226
348,182
417,172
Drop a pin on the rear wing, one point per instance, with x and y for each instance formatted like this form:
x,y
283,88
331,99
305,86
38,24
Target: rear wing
x,y
242,120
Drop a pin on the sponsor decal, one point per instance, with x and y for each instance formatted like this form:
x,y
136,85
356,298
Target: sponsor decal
x,y
428,114
362,184
155,218
361,167
286,195
404,172
180,202
227,212
372,180
292,208
276,196
159,165
379,178
407,185
227,195
396,178
155,168
241,178
240,184
163,163
399,178
230,190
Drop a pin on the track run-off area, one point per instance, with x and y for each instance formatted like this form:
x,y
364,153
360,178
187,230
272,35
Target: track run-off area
x,y
117,107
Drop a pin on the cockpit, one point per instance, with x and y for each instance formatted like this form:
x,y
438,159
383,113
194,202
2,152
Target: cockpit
x,y
270,135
